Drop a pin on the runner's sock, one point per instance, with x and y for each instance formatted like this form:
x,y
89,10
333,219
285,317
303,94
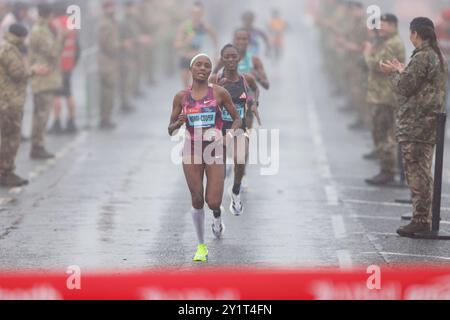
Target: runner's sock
x,y
237,189
198,217
217,217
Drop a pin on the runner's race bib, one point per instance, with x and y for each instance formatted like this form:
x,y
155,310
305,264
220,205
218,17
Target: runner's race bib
x,y
202,117
226,116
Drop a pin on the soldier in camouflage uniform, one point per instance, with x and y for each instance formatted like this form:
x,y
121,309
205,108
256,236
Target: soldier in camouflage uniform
x,y
13,80
356,36
149,22
141,40
382,98
108,63
173,17
129,33
45,48
421,86
339,25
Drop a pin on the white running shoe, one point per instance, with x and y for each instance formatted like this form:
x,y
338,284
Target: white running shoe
x,y
236,206
218,227
218,230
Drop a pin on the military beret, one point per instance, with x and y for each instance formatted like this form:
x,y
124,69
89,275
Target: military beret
x,y
389,17
18,30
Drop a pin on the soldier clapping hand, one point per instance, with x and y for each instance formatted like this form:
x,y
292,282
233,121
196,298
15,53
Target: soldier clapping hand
x,y
40,70
392,66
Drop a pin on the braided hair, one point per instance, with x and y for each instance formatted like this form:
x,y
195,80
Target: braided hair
x,y
226,47
426,31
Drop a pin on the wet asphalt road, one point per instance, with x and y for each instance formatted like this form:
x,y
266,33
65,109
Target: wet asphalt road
x,y
115,200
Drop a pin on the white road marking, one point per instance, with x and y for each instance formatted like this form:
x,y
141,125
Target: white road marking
x,y
338,226
332,195
15,191
357,216
368,188
387,204
345,259
324,165
407,255
47,165
338,223
5,201
374,189
375,233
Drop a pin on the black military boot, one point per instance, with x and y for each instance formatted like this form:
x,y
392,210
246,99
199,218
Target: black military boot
x,y
346,109
106,125
11,180
371,156
71,127
56,129
357,126
39,153
381,179
128,109
414,228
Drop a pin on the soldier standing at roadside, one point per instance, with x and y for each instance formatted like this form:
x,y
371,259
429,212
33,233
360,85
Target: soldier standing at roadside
x,y
382,99
108,63
45,48
356,36
129,33
421,86
149,21
14,77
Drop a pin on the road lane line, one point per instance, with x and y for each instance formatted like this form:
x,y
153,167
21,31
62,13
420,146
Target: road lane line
x,y
375,233
338,226
42,168
407,255
357,216
332,195
5,201
331,192
324,164
345,259
387,204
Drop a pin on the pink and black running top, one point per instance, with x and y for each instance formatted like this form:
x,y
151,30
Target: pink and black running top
x,y
239,93
203,116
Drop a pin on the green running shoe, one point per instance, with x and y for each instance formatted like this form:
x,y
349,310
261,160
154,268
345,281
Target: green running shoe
x,y
202,254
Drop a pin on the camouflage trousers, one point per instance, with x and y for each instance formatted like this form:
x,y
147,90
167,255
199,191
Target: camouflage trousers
x,y
418,161
107,96
137,71
148,64
127,79
11,134
43,104
383,133
358,91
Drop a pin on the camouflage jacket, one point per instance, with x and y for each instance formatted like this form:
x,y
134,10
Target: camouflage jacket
x,y
129,32
13,73
357,34
108,40
45,49
422,90
380,90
